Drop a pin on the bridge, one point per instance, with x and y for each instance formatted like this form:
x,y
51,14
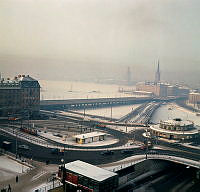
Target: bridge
x,y
145,116
99,102
167,157
146,169
133,113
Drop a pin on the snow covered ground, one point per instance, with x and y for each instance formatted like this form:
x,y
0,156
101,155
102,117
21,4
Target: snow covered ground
x,y
71,141
117,111
10,168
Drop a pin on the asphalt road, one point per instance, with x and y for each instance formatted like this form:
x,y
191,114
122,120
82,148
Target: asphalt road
x,y
41,153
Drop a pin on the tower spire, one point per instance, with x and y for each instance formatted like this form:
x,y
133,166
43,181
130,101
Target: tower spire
x,y
157,75
128,76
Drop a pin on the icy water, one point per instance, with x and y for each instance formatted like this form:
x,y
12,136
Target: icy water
x,y
77,90
80,90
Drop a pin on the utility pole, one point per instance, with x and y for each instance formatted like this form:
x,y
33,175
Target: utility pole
x,y
84,111
111,112
16,141
146,143
63,173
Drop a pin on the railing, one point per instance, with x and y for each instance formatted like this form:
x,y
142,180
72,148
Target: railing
x,y
33,139
48,187
140,158
175,159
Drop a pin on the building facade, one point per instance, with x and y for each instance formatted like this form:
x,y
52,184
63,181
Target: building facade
x,y
175,129
194,98
90,137
84,177
19,95
162,89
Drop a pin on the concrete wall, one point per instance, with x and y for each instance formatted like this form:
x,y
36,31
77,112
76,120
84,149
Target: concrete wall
x,y
144,167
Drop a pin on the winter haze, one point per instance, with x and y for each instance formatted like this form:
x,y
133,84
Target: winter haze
x,y
99,39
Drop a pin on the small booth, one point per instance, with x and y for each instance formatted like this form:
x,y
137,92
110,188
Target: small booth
x,y
90,137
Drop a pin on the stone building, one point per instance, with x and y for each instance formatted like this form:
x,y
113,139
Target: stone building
x,y
19,96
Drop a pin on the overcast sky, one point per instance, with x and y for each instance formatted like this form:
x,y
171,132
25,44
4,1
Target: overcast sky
x,y
83,39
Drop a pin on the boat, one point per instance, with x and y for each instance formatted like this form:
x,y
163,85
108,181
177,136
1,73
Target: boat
x,y
70,89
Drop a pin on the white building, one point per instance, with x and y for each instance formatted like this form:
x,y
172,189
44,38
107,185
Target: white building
x,y
176,129
90,137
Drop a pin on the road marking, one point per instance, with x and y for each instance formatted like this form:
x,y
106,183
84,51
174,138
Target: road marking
x,y
35,177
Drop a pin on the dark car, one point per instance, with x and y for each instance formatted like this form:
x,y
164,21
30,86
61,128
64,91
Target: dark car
x,y
56,151
108,152
127,151
24,147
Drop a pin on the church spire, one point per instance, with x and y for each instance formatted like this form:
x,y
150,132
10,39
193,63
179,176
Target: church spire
x,y
157,75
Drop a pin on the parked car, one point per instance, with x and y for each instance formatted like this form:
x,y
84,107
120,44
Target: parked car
x,y
24,147
127,151
108,152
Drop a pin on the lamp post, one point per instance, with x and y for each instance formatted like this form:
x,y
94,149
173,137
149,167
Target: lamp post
x,y
146,143
16,143
63,173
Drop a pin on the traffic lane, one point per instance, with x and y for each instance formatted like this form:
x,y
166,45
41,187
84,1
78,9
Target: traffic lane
x,y
93,157
121,136
182,154
141,138
41,153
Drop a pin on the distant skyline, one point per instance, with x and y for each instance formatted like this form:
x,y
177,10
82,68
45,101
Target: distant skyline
x,y
99,39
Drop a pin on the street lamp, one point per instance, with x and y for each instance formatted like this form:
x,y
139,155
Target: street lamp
x,y
146,144
126,125
63,173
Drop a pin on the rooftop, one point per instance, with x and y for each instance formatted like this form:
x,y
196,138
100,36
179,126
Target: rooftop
x,y
89,170
178,122
17,82
157,128
88,135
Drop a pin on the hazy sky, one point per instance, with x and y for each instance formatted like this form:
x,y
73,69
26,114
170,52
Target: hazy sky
x,y
100,38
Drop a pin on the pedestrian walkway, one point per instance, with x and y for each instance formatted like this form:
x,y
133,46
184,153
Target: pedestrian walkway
x,y
27,181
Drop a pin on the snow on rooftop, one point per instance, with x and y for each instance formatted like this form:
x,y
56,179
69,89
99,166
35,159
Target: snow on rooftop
x,y
89,170
185,132
178,122
89,135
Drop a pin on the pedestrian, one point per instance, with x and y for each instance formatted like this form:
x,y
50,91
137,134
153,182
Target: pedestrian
x,y
17,179
9,188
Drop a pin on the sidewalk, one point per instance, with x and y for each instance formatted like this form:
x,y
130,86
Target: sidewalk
x,y
32,179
